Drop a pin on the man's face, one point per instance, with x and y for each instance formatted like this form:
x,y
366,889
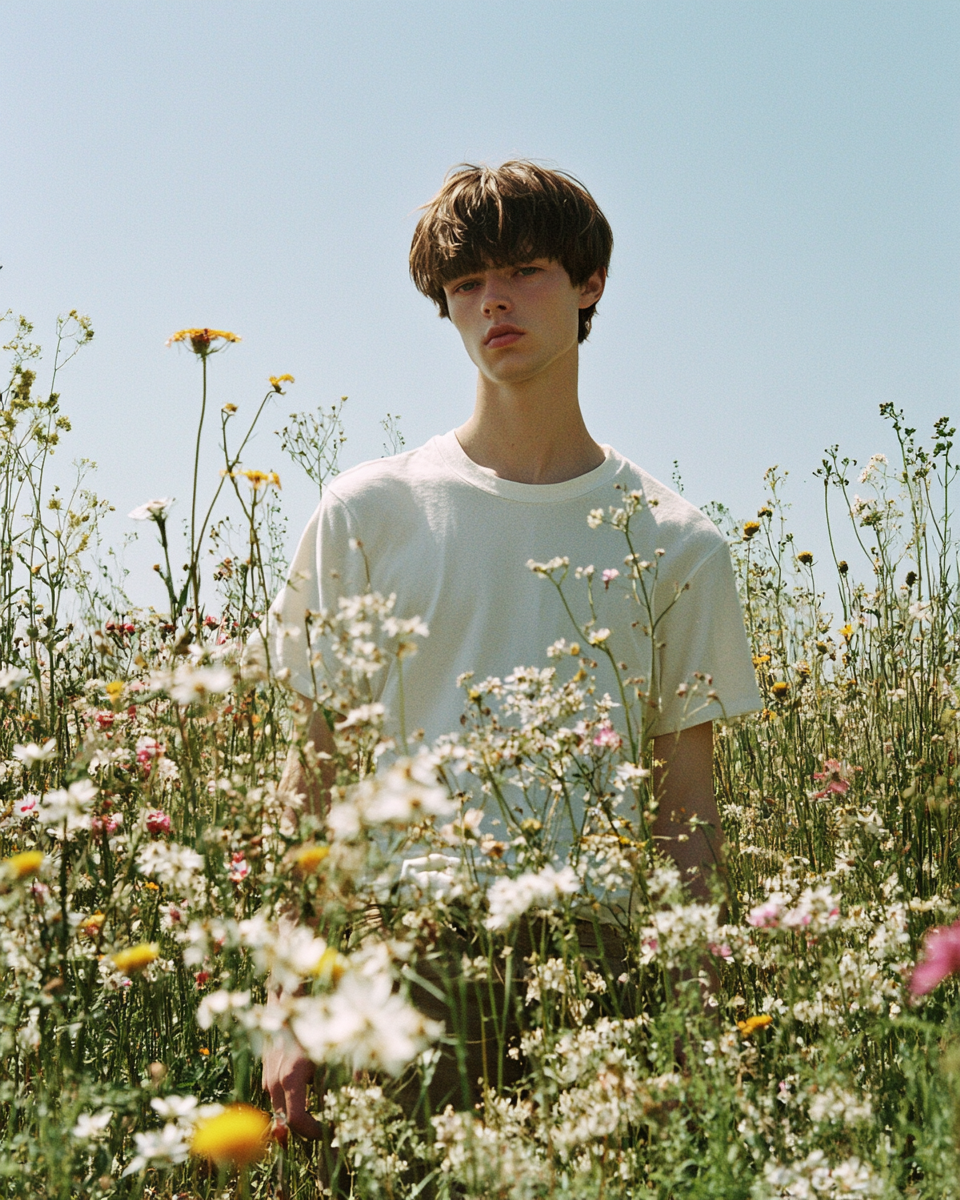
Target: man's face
x,y
517,321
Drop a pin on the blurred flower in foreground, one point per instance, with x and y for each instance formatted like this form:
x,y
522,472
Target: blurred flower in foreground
x,y
202,340
135,958
941,958
511,898
236,1137
31,753
19,866
189,684
153,510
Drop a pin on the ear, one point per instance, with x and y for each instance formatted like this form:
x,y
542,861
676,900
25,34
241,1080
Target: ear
x,y
592,290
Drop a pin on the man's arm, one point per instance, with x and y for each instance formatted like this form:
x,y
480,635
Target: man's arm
x,y
287,1072
684,788
299,779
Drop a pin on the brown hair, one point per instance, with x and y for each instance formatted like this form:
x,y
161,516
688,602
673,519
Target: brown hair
x,y
495,216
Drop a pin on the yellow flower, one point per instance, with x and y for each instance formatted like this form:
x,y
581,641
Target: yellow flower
x,y
760,660
236,1137
752,1024
749,529
331,966
257,479
201,340
19,866
92,925
781,690
308,858
114,688
846,632
135,958
805,557
276,380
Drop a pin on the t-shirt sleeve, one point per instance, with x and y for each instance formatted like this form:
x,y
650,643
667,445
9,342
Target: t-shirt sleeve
x,y
702,635
327,565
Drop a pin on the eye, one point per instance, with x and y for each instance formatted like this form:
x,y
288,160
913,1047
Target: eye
x,y
529,270
468,285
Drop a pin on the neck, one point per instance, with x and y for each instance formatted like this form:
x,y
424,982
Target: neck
x,y
531,431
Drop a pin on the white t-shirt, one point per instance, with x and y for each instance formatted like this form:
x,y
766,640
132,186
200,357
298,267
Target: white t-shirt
x,y
452,541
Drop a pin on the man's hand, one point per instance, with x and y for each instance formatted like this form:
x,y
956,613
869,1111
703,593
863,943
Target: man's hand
x,y
287,1073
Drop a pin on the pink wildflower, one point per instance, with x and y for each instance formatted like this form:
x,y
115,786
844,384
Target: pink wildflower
x,y
148,748
158,822
239,868
765,916
105,719
941,958
719,949
606,735
608,576
105,824
836,776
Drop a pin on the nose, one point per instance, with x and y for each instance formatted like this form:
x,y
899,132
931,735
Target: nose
x,y
495,298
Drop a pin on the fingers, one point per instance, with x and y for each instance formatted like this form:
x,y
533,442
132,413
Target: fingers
x,y
295,1087
286,1078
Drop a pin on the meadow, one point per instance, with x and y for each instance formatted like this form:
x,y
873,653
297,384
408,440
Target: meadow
x,y
165,912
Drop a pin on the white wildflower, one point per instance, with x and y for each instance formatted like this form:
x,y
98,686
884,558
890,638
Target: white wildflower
x,y
90,1127
153,510
31,753
511,898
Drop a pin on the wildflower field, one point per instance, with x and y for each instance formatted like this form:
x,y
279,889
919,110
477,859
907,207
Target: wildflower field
x,y
165,912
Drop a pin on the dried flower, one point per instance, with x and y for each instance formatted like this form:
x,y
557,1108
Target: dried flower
x,y
805,557
750,529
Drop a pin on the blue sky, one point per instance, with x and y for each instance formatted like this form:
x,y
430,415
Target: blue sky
x,y
781,177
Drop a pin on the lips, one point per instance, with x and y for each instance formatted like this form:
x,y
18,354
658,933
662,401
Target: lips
x,y
502,335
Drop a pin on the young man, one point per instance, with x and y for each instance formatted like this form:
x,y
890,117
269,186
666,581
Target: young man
x,y
516,257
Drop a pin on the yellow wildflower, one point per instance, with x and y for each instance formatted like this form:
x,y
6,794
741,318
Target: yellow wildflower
x,y
236,1137
276,380
331,966
135,958
19,866
201,340
752,1024
749,529
760,660
114,688
846,632
308,858
92,925
805,557
781,690
257,479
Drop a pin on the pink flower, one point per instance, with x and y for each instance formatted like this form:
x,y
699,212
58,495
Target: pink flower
x,y
148,748
606,735
941,958
158,822
719,950
608,576
765,916
104,719
105,824
239,868
836,775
